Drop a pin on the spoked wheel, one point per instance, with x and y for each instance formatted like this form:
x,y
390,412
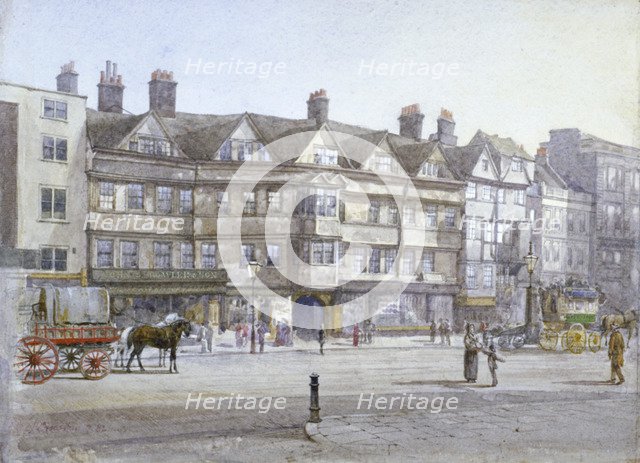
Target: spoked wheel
x,y
576,341
548,340
70,358
36,360
594,341
518,341
503,341
95,364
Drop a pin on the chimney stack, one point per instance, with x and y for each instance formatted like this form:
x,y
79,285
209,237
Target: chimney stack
x,y
446,126
67,80
318,106
162,93
542,151
110,90
411,122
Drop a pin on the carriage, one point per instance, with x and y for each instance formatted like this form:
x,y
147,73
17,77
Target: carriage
x,y
569,318
69,330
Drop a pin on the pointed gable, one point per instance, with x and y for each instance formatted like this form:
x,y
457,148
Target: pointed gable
x,y
150,136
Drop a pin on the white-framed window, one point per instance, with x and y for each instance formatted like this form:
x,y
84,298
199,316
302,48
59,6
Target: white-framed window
x,y
249,203
186,255
104,253
408,262
472,229
225,151
428,262
129,254
392,218
471,277
431,215
273,255
518,197
186,201
487,276
450,217
383,163
389,259
359,258
135,196
516,165
53,203
374,212
501,198
486,193
222,199
161,254
488,231
325,203
53,109
153,145
54,148
408,215
470,192
53,258
430,169
374,260
326,156
164,195
245,150
106,199
208,255
274,201
322,252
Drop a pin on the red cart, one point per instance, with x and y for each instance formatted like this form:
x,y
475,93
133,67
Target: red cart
x,y
70,331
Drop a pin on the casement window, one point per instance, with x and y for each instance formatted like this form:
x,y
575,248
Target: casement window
x,y
325,203
518,197
374,212
161,254
135,196
326,156
389,259
53,109
470,192
54,149
245,150
501,198
52,258
263,154
322,252
359,257
186,255
53,203
154,146
450,217
129,254
408,215
392,218
374,260
472,229
428,262
486,193
487,276
471,277
488,232
186,201
614,178
249,203
248,252
164,197
104,253
432,216
273,255
106,199
408,262
225,151
383,163
516,165
274,200
222,199
430,169
208,255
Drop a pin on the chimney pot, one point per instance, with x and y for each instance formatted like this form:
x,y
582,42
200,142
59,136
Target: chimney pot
x,y
162,93
110,89
542,151
411,121
67,80
318,106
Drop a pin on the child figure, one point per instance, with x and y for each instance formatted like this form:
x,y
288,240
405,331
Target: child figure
x,y
492,357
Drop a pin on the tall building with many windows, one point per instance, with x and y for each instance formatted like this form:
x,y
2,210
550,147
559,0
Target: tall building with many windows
x,y
42,203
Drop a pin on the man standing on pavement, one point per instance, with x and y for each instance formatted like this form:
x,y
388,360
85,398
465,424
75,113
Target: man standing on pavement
x,y
321,340
356,335
441,330
616,354
447,331
432,331
262,330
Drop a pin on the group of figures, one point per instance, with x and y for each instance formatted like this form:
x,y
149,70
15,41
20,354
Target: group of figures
x,y
444,329
472,346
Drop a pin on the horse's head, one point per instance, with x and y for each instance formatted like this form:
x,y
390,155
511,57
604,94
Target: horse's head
x,y
181,326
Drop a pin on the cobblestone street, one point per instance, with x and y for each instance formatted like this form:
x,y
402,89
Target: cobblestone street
x,y
130,417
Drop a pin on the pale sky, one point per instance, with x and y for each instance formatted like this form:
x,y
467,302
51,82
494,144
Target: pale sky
x,y
516,68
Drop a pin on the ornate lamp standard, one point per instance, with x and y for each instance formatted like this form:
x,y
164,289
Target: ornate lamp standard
x,y
531,260
254,268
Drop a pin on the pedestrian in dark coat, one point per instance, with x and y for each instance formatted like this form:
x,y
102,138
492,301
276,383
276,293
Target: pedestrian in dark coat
x,y
321,340
492,358
262,330
471,349
616,354
441,330
356,335
432,331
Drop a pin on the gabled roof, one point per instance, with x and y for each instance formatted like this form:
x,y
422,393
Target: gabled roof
x,y
463,159
412,156
107,130
503,145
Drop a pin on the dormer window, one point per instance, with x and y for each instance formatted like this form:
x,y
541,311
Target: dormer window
x,y
516,165
153,146
430,169
225,151
383,163
326,156
245,151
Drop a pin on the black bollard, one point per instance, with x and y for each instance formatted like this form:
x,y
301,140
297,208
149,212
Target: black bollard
x,y
314,405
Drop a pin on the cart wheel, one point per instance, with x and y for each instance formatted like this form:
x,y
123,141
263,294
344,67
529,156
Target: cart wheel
x,y
594,341
576,341
564,342
503,341
70,358
518,341
95,364
548,340
36,360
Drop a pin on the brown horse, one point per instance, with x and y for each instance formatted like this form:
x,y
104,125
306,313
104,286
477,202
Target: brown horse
x,y
628,320
166,337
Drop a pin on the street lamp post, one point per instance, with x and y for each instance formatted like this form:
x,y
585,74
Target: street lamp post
x,y
254,268
531,260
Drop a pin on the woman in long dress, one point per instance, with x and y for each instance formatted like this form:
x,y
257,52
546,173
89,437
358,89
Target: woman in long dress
x,y
471,349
